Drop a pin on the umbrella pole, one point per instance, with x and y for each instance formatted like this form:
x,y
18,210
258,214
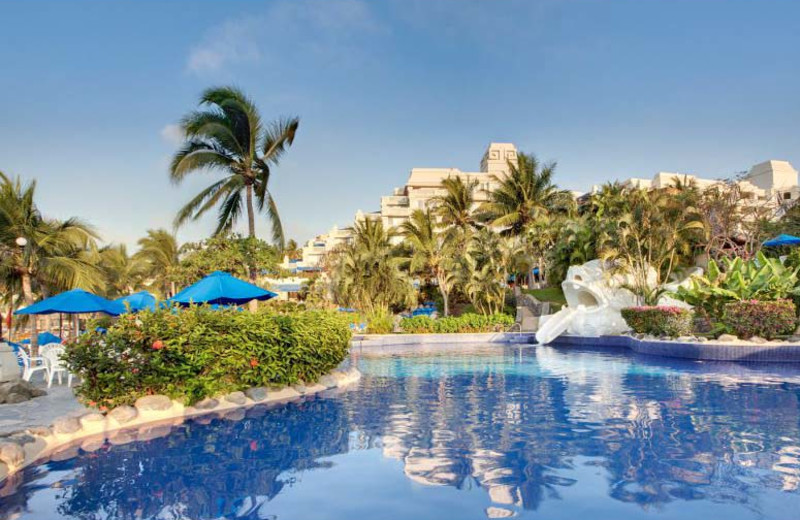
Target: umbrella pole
x,y
75,325
61,325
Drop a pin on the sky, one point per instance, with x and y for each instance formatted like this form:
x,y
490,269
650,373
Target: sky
x,y
91,94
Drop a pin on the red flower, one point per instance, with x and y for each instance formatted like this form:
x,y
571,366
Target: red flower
x,y
104,408
92,403
253,445
254,362
158,344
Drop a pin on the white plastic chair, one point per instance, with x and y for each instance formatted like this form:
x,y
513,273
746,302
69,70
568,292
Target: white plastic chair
x,y
31,364
48,346
55,365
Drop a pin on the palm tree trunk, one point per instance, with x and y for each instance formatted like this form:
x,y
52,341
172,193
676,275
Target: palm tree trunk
x,y
27,293
251,232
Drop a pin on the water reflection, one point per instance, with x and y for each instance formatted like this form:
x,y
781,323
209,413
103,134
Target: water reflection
x,y
524,428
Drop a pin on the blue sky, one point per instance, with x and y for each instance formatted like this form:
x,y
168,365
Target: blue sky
x,y
90,91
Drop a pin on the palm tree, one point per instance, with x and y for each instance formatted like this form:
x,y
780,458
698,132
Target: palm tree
x,y
454,208
526,194
228,135
484,270
432,252
366,272
122,272
158,252
41,255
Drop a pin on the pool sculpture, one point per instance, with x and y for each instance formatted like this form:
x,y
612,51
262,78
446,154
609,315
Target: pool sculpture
x,y
595,298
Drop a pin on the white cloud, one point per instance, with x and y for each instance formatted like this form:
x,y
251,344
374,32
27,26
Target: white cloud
x,y
288,32
172,134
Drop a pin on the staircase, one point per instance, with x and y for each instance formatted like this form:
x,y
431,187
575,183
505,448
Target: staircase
x,y
528,311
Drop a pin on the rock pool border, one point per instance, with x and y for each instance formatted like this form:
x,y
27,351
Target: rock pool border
x,y
392,340
151,417
769,352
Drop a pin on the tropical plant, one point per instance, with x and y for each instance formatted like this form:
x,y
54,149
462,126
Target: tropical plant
x,y
526,194
122,272
199,352
228,135
455,207
366,274
456,324
432,252
652,240
765,319
232,253
659,321
42,255
761,279
483,271
159,258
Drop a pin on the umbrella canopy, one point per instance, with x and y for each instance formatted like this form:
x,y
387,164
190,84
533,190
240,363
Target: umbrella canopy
x,y
44,339
76,301
138,301
221,288
783,240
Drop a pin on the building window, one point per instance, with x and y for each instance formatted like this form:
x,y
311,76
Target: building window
x,y
787,195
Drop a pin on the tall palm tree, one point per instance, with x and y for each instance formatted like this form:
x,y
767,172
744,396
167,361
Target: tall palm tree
x,y
455,207
227,135
366,272
524,195
158,252
432,252
122,272
41,255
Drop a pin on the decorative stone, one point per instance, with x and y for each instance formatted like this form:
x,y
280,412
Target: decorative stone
x,y
93,444
122,437
283,394
257,394
12,454
153,403
237,398
701,339
3,471
315,388
70,452
21,438
153,432
757,340
15,398
727,338
66,425
206,404
40,431
328,381
123,414
300,388
237,414
685,339
93,422
793,339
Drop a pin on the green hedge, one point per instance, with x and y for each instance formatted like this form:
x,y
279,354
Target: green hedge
x,y
453,324
190,354
766,319
659,321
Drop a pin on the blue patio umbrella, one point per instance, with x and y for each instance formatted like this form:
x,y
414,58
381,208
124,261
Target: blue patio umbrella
x,y
76,301
221,288
44,339
783,240
138,301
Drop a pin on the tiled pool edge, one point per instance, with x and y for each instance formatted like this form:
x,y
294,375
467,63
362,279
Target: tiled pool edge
x,y
708,351
150,424
392,340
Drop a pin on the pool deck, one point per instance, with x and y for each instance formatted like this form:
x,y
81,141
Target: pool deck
x,y
60,401
772,352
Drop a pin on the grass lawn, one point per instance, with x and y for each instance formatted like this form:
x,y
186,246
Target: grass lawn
x,y
550,294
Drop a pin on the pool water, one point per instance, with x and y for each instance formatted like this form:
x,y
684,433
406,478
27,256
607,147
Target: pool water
x,y
464,432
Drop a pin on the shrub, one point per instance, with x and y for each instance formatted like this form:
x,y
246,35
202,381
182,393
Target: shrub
x,y
190,354
380,322
759,318
455,324
659,321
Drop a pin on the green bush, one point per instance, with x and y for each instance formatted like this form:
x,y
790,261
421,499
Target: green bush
x,y
190,354
455,324
380,322
659,321
759,318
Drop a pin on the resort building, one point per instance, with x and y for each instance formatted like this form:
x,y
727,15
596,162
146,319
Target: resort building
x,y
315,250
771,180
424,184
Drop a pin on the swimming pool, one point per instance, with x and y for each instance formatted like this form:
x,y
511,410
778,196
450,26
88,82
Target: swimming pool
x,y
464,432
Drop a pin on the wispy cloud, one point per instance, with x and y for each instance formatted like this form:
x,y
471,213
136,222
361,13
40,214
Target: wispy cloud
x,y
172,134
291,31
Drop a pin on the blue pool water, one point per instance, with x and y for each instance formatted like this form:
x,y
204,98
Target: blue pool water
x,y
464,432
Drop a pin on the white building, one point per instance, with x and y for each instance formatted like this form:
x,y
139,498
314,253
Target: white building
x,y
771,180
315,249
